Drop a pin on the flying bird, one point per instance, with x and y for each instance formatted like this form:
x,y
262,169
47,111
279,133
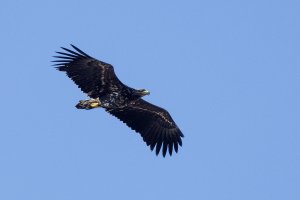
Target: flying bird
x,y
98,80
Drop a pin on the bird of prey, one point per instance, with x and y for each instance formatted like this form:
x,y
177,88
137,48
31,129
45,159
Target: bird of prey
x,y
98,80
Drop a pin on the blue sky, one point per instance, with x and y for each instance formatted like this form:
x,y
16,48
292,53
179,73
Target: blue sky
x,y
228,72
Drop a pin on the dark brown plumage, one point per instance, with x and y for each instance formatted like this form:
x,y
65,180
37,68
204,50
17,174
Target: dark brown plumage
x,y
98,80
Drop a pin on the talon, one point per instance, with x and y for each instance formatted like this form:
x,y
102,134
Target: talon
x,y
95,104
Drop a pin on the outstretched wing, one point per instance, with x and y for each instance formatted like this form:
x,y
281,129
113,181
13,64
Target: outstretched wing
x,y
93,77
155,125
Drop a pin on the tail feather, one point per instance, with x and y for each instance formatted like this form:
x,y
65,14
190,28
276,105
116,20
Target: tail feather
x,y
88,104
83,104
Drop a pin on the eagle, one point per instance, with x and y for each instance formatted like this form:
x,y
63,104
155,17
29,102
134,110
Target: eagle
x,y
98,80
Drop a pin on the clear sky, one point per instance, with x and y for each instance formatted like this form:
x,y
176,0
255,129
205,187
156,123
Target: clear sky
x,y
227,71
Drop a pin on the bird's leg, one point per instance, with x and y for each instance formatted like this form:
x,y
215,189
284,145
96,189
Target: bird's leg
x,y
89,104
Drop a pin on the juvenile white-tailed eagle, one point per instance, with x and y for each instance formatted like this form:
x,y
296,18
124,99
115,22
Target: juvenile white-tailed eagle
x,y
98,80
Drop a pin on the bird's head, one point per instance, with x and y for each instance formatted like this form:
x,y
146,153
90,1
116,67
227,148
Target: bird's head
x,y
143,92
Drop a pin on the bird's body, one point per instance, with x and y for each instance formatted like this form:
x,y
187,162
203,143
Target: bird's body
x,y
98,80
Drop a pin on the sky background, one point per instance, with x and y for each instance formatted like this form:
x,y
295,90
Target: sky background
x,y
227,71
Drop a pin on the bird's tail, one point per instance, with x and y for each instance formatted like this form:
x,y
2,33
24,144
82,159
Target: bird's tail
x,y
83,104
88,104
